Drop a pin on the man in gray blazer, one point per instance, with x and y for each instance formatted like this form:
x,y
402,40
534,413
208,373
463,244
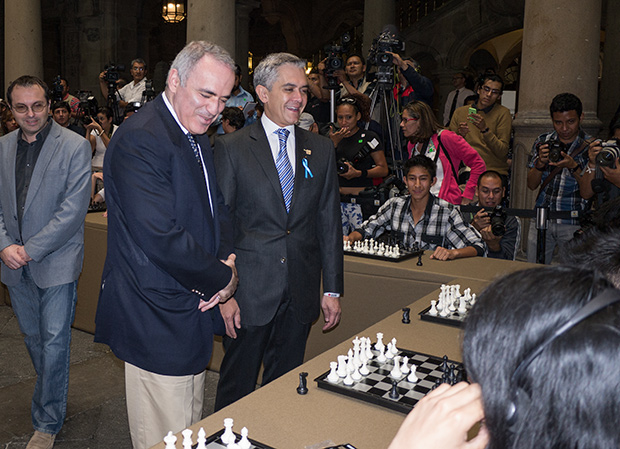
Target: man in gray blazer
x,y
281,186
44,193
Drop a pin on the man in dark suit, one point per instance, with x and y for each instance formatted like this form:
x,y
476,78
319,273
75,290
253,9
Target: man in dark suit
x,y
287,232
44,191
168,234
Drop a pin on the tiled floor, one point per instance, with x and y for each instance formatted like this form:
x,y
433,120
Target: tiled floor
x,y
96,413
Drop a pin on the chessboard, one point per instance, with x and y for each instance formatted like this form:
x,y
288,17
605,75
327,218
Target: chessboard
x,y
215,441
372,249
380,387
451,307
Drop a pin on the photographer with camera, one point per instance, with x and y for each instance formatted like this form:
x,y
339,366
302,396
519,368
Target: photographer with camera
x,y
61,113
133,90
359,152
353,77
556,163
413,85
501,233
602,175
100,131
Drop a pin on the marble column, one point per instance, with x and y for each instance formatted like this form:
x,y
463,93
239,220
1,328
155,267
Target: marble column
x,y
377,14
560,54
609,94
23,45
212,20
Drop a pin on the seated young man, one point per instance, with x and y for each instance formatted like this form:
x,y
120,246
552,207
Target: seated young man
x,y
420,217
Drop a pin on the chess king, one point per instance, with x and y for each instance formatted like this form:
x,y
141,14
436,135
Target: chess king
x,y
280,184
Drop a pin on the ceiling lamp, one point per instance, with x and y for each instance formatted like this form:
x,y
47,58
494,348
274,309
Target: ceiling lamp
x,y
173,12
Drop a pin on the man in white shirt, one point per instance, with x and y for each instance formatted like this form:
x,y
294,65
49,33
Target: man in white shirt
x,y
132,91
456,98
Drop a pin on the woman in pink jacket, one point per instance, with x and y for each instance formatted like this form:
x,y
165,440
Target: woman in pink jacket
x,y
426,136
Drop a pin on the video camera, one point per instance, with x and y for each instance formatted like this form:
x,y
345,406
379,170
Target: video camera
x,y
57,90
88,106
334,61
379,56
112,72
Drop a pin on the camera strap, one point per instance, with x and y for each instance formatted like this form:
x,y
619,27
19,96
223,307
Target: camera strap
x,y
441,147
557,170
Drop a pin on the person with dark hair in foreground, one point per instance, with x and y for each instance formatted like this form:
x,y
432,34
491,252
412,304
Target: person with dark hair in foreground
x,y
552,383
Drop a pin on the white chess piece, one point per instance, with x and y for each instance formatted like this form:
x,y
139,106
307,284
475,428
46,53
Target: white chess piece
x,y
379,344
187,439
396,373
244,443
233,445
388,352
348,380
405,368
170,441
473,299
364,371
433,309
333,375
412,375
381,358
369,354
202,440
462,308
228,436
356,375
350,364
342,366
394,348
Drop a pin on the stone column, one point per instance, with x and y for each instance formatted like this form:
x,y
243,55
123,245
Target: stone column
x,y
377,14
212,20
244,8
609,94
23,45
560,54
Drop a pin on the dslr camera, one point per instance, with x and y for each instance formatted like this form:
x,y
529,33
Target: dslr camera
x,y
341,164
555,150
498,220
57,90
608,155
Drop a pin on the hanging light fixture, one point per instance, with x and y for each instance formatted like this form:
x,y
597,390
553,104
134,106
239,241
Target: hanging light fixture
x,y
173,12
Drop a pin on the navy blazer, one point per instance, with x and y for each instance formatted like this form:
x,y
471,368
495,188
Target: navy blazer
x,y
278,253
164,242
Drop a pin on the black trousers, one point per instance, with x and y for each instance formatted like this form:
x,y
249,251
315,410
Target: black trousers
x,y
279,345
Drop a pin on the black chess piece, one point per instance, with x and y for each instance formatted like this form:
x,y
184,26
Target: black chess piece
x,y
394,391
302,388
406,312
419,263
444,364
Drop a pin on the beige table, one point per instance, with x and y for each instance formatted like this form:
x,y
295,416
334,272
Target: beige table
x,y
277,416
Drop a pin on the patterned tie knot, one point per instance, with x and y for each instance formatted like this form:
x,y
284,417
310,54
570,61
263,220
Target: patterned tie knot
x,y
283,134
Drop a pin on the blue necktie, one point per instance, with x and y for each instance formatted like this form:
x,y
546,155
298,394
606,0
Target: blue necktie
x,y
194,146
285,170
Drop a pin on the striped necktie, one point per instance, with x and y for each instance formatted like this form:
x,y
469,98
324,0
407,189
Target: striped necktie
x,y
285,170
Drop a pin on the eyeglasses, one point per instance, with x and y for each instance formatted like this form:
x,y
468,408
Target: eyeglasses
x,y
487,89
347,101
36,108
410,119
138,69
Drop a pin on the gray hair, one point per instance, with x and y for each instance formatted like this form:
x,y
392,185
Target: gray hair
x,y
138,61
193,52
266,72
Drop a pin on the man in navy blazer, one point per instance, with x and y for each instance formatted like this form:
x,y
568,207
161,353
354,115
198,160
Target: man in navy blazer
x,y
169,250
287,232
44,192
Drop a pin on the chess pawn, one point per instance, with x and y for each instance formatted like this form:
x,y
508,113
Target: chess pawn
x,y
369,354
350,364
388,352
244,443
356,375
412,375
348,380
433,310
170,441
342,366
473,299
187,439
333,375
364,371
462,308
396,373
444,312
228,437
405,368
381,358
394,348
202,440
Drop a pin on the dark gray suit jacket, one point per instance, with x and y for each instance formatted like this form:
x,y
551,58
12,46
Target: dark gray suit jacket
x,y
56,204
280,253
